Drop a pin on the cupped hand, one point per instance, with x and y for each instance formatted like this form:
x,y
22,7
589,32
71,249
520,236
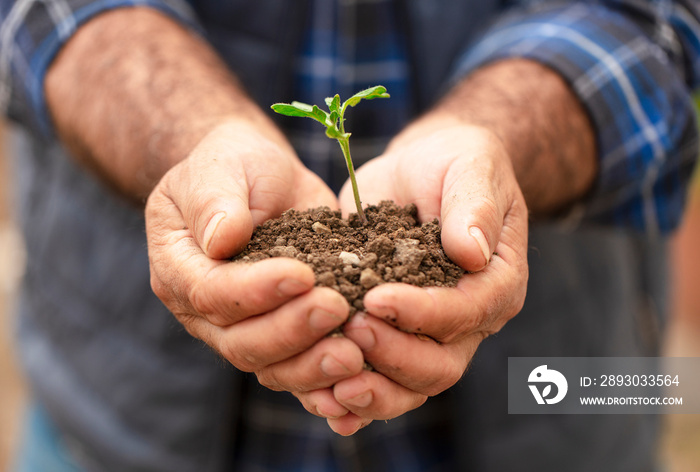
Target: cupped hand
x,y
264,317
463,176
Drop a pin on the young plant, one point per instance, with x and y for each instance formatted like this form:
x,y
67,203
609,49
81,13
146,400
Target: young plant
x,y
334,121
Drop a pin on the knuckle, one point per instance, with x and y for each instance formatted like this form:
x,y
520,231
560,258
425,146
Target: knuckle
x,y
307,402
289,342
241,360
457,327
204,302
517,307
386,410
453,374
256,298
505,306
489,212
279,378
199,299
159,288
267,378
253,291
449,374
154,202
189,322
522,291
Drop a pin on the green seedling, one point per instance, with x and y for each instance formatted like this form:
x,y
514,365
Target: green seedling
x,y
334,121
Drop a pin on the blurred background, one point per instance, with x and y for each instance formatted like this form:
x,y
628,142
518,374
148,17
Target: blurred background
x,y
680,446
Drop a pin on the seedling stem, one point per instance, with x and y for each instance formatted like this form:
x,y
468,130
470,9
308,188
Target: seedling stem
x,y
334,121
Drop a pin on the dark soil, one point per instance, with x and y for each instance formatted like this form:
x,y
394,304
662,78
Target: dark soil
x,y
351,257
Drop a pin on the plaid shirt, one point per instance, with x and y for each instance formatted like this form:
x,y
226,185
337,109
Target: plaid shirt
x,y
647,143
342,52
615,53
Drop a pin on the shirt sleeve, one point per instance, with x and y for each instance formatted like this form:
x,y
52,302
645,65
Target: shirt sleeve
x,y
31,34
633,64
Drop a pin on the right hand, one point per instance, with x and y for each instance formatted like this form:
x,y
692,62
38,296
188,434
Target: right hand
x,y
266,317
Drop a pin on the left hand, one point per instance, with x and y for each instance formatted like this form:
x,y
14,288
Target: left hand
x,y
265,317
462,175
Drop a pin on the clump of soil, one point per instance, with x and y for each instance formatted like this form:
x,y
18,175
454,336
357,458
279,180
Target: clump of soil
x,y
351,257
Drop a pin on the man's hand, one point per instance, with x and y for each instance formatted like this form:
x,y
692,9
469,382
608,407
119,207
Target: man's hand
x,y
265,317
157,113
511,129
463,176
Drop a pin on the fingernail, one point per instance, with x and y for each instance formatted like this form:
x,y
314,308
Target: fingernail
x,y
210,230
480,239
331,367
362,400
360,333
291,287
322,320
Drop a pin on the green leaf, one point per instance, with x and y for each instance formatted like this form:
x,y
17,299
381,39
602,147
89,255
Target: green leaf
x,y
301,109
378,91
289,110
334,117
333,103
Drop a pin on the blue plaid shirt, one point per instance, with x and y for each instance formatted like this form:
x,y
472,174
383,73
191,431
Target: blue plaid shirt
x,y
342,52
614,53
633,74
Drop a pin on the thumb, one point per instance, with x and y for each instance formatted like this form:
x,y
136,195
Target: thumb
x,y
212,199
223,225
472,214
